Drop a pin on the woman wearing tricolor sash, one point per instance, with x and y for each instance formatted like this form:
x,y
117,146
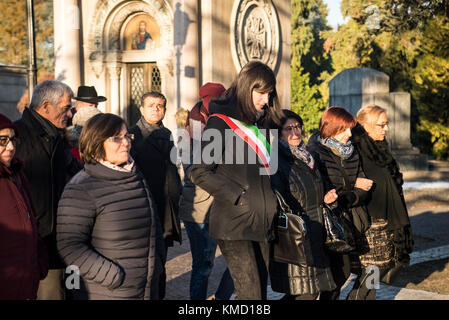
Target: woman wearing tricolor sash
x,y
235,170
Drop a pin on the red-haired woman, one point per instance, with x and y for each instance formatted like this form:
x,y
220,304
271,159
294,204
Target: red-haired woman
x,y
339,164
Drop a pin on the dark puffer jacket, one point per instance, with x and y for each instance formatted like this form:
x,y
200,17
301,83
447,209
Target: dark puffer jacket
x,y
330,165
244,204
106,227
303,190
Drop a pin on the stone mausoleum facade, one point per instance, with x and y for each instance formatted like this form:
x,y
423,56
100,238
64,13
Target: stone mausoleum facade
x,y
125,48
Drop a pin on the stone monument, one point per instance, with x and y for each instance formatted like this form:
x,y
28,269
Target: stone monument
x,y
356,87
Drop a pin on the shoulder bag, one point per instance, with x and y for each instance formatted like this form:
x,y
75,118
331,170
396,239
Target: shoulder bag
x,y
292,242
339,232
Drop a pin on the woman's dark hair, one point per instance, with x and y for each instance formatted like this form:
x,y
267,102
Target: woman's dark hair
x,y
255,75
335,120
94,134
288,114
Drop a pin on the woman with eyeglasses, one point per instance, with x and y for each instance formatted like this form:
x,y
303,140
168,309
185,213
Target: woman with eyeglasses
x,y
390,225
106,223
23,256
299,181
339,164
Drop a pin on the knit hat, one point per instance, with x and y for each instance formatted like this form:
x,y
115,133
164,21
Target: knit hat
x,y
83,114
210,90
6,123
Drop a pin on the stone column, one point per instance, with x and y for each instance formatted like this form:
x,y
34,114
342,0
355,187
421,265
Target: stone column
x,y
114,78
186,52
207,59
67,47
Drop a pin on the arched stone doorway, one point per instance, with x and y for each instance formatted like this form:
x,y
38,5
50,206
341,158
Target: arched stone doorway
x,y
130,47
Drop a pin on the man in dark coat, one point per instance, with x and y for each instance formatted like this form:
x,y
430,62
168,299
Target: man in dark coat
x,y
48,167
151,150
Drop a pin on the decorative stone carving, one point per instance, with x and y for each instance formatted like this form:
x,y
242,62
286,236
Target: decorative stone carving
x,y
255,33
114,72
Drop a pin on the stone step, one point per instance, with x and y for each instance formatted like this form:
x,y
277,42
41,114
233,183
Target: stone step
x,y
426,175
437,165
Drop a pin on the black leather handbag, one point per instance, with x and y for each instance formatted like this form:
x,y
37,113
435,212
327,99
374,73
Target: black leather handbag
x,y
339,232
292,242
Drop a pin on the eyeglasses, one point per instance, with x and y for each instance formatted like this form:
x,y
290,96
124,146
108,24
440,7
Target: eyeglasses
x,y
119,139
382,125
4,140
292,127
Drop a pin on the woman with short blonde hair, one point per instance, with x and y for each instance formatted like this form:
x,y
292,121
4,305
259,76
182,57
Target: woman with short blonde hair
x,y
390,226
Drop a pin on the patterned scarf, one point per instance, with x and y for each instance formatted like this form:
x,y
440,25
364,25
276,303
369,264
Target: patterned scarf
x,y
300,152
344,149
125,167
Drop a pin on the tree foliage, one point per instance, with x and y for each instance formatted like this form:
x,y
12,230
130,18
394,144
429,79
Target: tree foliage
x,y
431,86
309,64
14,35
408,40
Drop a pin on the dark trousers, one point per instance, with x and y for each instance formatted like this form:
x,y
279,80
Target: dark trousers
x,y
342,265
203,249
248,263
158,282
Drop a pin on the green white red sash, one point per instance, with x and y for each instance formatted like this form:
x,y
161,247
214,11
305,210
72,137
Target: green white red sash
x,y
251,135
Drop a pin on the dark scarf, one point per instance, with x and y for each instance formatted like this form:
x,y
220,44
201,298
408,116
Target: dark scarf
x,y
300,152
379,153
344,149
148,128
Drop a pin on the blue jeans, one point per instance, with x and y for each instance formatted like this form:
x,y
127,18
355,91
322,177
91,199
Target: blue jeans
x,y
203,255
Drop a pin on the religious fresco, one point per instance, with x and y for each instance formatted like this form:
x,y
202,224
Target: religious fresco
x,y
141,33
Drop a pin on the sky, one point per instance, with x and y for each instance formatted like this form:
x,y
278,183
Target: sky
x,y
334,16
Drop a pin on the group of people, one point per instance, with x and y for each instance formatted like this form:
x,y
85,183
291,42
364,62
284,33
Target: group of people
x,y
80,197
108,200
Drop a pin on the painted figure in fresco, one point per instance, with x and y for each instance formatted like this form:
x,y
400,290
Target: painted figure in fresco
x,y
139,40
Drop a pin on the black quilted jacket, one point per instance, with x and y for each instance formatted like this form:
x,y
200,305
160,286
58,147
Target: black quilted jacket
x,y
106,227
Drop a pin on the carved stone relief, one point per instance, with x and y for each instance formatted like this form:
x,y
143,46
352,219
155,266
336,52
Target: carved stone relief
x,y
255,33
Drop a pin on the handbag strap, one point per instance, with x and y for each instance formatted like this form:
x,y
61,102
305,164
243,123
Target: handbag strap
x,y
284,206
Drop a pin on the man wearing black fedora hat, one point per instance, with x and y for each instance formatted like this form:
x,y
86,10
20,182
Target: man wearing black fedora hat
x,y
87,96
